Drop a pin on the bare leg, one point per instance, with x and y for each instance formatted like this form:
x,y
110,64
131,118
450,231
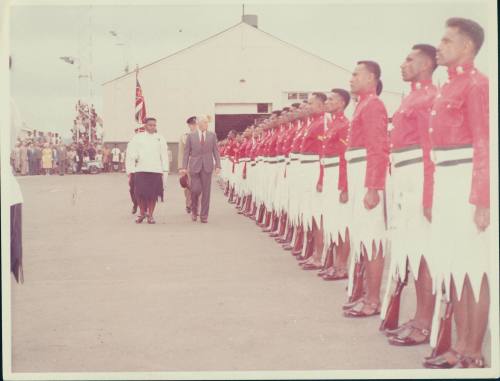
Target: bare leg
x,y
343,251
151,207
374,270
317,235
460,313
478,317
425,298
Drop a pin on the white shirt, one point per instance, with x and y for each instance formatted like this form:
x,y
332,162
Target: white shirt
x,y
200,134
115,154
147,153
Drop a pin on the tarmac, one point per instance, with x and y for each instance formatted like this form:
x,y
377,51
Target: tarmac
x,y
104,294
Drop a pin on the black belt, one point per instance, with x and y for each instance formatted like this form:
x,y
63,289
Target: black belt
x,y
331,165
294,159
357,159
451,148
308,161
449,163
404,163
406,149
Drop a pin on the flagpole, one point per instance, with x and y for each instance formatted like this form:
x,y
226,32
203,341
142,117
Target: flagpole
x,y
136,80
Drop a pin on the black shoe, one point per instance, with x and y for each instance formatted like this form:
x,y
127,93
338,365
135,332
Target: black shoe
x,y
134,209
188,209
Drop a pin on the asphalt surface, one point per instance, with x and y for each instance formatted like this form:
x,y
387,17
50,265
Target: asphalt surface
x,y
102,293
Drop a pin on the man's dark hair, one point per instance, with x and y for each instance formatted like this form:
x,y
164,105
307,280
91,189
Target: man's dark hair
x,y
429,51
277,112
285,109
295,105
470,28
374,68
191,120
305,101
148,119
320,96
344,94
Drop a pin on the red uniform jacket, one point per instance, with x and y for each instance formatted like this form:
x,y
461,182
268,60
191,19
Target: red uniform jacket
x,y
290,135
297,139
460,116
312,141
335,144
369,130
280,144
411,127
272,143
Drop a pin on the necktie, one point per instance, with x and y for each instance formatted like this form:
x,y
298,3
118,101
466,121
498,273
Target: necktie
x,y
203,137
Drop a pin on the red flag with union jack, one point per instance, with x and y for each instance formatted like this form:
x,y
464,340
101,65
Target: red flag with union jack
x,y
140,105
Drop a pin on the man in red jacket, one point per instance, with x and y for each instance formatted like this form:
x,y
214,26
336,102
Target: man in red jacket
x,y
333,186
411,203
459,132
368,160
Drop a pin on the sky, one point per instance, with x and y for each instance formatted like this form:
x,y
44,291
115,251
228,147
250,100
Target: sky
x,y
45,88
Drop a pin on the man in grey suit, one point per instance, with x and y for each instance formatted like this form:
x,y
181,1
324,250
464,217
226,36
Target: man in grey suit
x,y
200,153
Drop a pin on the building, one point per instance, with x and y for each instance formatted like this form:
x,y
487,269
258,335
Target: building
x,y
235,76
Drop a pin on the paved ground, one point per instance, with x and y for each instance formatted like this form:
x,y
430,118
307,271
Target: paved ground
x,y
104,294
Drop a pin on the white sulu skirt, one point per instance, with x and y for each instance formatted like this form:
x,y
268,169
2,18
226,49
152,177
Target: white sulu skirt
x,y
308,195
366,225
409,230
293,179
279,194
258,186
334,213
457,247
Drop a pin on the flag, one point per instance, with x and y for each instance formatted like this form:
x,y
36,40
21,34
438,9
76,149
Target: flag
x,y
140,105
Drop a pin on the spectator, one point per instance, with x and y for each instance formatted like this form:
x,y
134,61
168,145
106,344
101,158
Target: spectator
x,y
38,158
115,156
91,152
72,160
79,157
23,159
62,156
47,158
106,158
55,159
31,159
122,161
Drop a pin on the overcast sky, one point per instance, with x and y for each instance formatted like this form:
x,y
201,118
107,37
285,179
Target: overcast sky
x,y
45,88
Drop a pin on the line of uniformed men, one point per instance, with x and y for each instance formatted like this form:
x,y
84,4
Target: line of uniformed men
x,y
328,189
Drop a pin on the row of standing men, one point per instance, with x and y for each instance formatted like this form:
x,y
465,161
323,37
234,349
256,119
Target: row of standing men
x,y
340,195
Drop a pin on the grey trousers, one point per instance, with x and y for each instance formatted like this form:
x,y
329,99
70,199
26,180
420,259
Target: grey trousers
x,y
201,183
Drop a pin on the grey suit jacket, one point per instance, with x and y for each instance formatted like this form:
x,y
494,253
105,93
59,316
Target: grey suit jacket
x,y
201,156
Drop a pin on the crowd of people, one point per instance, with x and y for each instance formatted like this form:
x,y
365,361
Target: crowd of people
x,y
87,126
34,157
344,197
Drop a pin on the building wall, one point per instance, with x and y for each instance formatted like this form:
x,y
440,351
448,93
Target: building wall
x,y
242,65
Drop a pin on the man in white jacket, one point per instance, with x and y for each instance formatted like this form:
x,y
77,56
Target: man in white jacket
x,y
147,157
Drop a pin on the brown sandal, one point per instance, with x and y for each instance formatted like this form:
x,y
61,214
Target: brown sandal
x,y
139,219
353,312
472,362
405,337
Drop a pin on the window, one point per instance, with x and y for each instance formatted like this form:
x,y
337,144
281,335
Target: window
x,y
262,108
292,95
303,96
